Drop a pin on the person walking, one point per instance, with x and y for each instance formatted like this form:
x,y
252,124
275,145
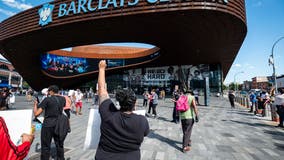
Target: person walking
x,y
187,120
67,109
163,95
232,98
145,98
196,96
78,102
279,102
176,95
153,103
122,131
51,106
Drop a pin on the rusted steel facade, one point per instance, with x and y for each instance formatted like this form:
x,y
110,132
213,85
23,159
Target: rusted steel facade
x,y
186,31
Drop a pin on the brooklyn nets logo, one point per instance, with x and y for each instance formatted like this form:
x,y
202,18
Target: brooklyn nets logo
x,y
45,14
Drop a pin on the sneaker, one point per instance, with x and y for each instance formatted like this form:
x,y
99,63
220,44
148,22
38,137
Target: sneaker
x,y
185,149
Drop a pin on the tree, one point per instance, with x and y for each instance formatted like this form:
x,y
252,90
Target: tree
x,y
232,86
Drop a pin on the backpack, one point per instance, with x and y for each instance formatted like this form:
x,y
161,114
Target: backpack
x,y
182,104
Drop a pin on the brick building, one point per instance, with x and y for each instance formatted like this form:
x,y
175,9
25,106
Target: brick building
x,y
261,82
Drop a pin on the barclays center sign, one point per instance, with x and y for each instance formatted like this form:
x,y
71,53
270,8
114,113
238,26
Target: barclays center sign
x,y
85,6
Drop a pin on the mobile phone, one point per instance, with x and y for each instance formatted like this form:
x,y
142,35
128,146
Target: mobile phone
x,y
37,99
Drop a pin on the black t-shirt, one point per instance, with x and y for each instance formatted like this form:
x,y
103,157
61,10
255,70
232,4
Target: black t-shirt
x,y
121,133
176,97
51,111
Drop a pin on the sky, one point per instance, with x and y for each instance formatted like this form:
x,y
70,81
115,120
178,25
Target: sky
x,y
265,23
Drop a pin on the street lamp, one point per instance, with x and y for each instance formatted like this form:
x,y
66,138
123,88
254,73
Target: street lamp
x,y
235,86
271,61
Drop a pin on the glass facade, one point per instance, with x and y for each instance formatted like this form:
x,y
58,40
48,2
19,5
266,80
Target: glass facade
x,y
186,76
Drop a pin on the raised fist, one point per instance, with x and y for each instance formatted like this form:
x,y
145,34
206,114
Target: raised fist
x,y
102,64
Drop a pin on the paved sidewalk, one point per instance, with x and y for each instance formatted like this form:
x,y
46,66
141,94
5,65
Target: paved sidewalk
x,y
221,134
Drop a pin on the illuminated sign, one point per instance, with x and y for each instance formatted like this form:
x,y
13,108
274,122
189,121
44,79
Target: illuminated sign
x,y
85,6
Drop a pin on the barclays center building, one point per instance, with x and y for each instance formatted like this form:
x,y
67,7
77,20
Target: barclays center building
x,y
147,43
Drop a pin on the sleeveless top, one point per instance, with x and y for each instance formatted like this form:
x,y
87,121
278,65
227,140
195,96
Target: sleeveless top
x,y
189,114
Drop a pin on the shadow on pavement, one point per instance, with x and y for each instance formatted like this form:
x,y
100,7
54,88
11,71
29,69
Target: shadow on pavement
x,y
251,124
171,142
164,119
279,146
276,135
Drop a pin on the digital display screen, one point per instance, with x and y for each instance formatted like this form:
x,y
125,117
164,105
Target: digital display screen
x,y
115,62
63,66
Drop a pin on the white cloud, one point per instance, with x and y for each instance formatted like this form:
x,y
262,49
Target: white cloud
x,y
17,4
8,13
251,67
237,65
257,4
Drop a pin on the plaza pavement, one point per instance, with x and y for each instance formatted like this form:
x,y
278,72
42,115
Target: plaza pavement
x,y
222,134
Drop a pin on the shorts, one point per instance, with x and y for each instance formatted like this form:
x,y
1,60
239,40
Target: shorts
x,y
79,104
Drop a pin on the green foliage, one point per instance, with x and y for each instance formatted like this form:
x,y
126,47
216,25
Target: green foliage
x,y
224,87
232,86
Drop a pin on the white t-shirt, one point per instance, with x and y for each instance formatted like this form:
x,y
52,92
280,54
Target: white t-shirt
x,y
79,97
279,99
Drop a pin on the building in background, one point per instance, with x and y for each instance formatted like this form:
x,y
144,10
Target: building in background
x,y
261,82
8,76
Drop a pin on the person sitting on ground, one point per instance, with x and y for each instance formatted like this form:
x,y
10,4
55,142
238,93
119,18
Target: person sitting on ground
x,y
8,149
122,131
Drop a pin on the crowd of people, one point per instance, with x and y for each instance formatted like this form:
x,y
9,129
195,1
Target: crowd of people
x,y
258,100
122,131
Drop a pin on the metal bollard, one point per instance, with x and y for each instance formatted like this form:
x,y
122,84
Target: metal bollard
x,y
267,110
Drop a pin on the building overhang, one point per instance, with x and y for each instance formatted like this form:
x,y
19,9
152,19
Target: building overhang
x,y
187,32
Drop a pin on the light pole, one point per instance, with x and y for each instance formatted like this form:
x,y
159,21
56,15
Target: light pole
x,y
235,86
271,61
